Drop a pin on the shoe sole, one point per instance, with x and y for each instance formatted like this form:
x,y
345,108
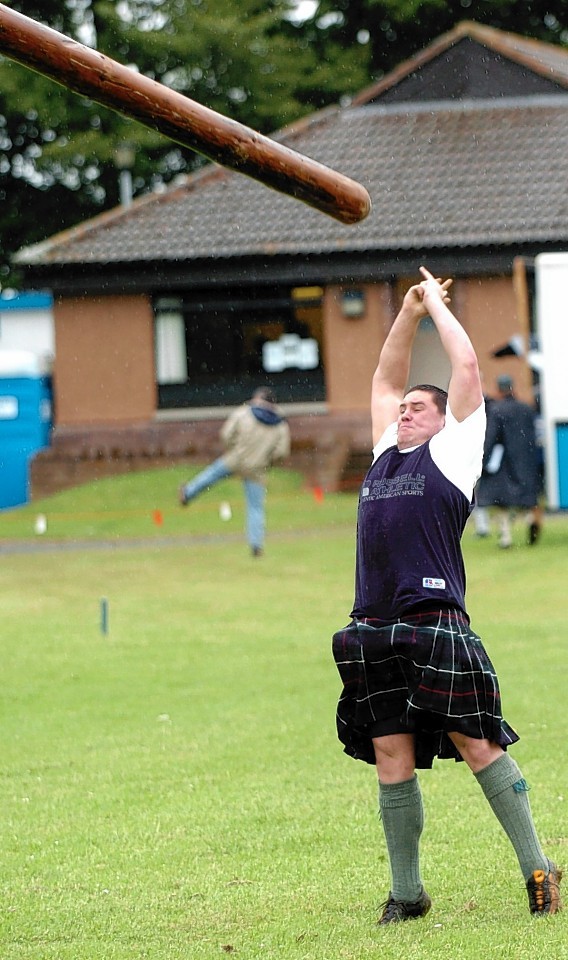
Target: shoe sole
x,y
555,876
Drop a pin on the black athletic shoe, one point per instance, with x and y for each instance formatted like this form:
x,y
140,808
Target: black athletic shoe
x,y
543,890
534,533
395,911
182,497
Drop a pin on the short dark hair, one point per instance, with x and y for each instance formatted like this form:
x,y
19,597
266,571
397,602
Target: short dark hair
x,y
264,393
439,396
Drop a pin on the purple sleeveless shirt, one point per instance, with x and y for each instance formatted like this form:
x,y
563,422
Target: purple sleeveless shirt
x,y
409,527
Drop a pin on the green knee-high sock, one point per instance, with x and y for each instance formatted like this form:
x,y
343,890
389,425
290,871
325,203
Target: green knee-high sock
x,y
400,805
503,784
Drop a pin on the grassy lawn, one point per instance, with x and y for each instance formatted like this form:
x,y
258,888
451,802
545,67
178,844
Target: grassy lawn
x,y
145,505
174,788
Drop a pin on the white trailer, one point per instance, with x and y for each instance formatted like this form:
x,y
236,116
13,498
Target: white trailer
x,y
551,288
26,323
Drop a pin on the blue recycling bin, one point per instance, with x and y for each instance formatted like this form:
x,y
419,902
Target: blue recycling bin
x,y
25,422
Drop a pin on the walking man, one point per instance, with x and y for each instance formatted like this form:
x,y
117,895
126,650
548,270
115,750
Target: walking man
x,y
255,436
417,681
510,480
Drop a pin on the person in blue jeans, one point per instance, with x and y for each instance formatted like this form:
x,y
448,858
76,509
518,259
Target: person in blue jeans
x,y
254,437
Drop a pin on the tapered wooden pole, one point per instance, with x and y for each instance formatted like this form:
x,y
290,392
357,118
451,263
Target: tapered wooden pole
x,y
225,141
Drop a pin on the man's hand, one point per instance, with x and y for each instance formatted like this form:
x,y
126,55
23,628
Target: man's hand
x,y
434,287
417,297
413,302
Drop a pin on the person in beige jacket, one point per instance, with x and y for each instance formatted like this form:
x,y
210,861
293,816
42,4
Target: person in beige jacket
x,y
254,436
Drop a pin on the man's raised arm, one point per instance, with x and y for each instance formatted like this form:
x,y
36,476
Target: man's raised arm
x,y
465,392
391,376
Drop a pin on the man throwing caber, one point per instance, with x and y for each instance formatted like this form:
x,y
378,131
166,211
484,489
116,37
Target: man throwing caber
x,y
417,682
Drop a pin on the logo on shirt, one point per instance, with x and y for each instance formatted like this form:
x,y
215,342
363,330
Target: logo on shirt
x,y
434,583
405,485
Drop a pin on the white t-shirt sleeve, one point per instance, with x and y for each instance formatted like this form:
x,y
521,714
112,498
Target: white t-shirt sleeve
x,y
387,440
457,450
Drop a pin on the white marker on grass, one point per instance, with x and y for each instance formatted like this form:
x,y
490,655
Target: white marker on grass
x,y
40,525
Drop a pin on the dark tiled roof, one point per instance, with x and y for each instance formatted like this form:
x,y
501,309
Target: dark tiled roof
x,y
475,173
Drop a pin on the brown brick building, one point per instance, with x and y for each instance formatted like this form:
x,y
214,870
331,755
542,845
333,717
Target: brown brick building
x,y
171,310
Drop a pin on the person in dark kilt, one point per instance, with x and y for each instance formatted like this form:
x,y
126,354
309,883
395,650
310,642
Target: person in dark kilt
x,y
511,476
417,681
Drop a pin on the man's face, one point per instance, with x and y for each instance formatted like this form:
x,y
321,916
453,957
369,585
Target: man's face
x,y
418,419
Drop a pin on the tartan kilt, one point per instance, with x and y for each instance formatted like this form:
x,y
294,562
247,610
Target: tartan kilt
x,y
428,674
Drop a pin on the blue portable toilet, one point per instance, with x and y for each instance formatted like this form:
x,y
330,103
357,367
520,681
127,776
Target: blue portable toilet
x,y
562,450
25,421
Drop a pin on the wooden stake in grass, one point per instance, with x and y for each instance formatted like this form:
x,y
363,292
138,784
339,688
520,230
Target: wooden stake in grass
x,y
104,616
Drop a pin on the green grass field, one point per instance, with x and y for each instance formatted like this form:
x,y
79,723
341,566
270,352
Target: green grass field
x,y
174,789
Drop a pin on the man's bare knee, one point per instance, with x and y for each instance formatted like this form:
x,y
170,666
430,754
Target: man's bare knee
x,y
394,756
476,753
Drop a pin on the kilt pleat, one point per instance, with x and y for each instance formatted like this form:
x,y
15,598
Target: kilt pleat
x,y
428,674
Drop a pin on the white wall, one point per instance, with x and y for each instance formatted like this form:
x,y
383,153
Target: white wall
x,y
551,274
26,323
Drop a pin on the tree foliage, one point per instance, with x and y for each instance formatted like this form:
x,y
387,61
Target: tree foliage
x,y
253,61
396,29
58,151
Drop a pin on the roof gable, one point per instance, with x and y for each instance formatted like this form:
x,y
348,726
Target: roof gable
x,y
468,70
474,62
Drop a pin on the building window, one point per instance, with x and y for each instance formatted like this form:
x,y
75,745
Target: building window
x,y
171,360
214,350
